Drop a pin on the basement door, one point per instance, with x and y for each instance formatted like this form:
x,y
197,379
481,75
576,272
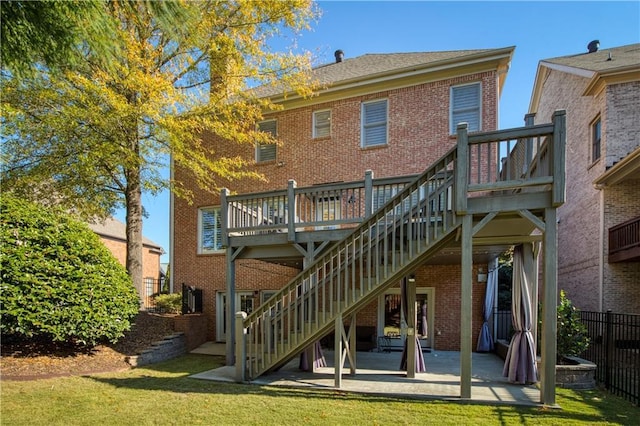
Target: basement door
x,y
244,302
392,324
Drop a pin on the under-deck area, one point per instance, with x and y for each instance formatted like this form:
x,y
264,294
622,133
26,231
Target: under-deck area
x,y
378,374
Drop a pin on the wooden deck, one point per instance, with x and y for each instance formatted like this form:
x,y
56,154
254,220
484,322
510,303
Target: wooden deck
x,y
353,240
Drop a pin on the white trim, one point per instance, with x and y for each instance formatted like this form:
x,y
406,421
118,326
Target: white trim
x,y
314,133
601,253
220,312
386,122
200,249
172,269
452,125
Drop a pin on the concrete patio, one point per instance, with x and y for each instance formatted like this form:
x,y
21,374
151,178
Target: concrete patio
x,y
378,373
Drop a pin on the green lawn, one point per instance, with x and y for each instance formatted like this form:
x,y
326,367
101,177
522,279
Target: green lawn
x,y
162,394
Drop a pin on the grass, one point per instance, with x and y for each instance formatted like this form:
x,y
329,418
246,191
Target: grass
x,y
163,394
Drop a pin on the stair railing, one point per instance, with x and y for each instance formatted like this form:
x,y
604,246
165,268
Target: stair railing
x,y
355,270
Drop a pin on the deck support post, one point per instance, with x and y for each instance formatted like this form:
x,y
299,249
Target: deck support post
x,y
466,306
310,351
231,305
337,354
410,288
241,348
549,310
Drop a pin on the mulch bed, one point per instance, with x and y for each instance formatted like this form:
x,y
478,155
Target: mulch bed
x,y
39,360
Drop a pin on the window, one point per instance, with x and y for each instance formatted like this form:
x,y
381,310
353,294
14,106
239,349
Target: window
x,y
374,123
266,151
465,106
322,123
596,134
209,230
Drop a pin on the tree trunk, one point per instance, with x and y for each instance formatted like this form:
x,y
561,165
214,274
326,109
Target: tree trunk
x,y
133,198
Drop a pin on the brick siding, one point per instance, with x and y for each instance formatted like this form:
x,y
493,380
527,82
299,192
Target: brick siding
x,y
581,257
418,134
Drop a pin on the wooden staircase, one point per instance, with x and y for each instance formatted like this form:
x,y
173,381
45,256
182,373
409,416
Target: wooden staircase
x,y
398,237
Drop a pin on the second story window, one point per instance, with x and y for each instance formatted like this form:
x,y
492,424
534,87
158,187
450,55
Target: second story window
x,y
374,123
596,135
322,123
209,230
465,106
266,151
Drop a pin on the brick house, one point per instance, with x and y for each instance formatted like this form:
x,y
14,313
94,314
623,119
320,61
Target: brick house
x,y
599,224
392,114
112,233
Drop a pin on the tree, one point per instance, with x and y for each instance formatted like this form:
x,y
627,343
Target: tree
x,y
56,34
572,335
94,137
57,280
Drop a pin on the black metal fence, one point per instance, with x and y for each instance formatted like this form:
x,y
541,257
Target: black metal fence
x,y
615,349
502,327
152,287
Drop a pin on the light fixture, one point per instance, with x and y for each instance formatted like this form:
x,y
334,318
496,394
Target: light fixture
x,y
412,278
482,276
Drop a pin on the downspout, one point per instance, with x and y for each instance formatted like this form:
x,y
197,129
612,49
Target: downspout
x,y
601,252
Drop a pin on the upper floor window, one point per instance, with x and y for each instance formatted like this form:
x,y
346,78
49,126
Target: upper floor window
x,y
209,230
596,135
465,106
266,151
374,123
322,123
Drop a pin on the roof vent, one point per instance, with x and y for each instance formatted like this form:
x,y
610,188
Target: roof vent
x,y
339,55
593,46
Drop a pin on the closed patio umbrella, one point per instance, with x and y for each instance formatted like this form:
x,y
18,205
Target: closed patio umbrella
x,y
420,367
485,340
520,363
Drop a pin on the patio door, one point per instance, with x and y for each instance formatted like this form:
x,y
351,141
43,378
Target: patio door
x,y
244,302
393,325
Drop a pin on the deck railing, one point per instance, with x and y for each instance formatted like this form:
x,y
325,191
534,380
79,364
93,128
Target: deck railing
x,y
624,236
519,160
318,207
524,159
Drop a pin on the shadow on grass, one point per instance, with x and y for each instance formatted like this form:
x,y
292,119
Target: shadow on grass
x,y
173,376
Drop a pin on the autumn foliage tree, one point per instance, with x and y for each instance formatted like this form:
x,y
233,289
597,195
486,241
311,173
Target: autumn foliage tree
x,y
96,135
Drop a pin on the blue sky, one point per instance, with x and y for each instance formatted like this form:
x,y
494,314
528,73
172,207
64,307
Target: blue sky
x,y
538,30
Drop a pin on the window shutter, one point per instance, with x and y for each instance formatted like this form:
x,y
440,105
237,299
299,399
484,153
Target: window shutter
x,y
267,151
374,123
465,106
321,124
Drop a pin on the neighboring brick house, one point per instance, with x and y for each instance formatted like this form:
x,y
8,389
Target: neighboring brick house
x,y
393,114
600,91
112,233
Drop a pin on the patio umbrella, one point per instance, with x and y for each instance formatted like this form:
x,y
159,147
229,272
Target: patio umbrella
x,y
318,359
520,364
485,340
420,367
424,330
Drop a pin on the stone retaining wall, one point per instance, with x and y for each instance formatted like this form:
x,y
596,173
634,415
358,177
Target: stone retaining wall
x,y
168,348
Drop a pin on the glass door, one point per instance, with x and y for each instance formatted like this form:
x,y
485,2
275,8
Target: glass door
x,y
393,325
244,302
